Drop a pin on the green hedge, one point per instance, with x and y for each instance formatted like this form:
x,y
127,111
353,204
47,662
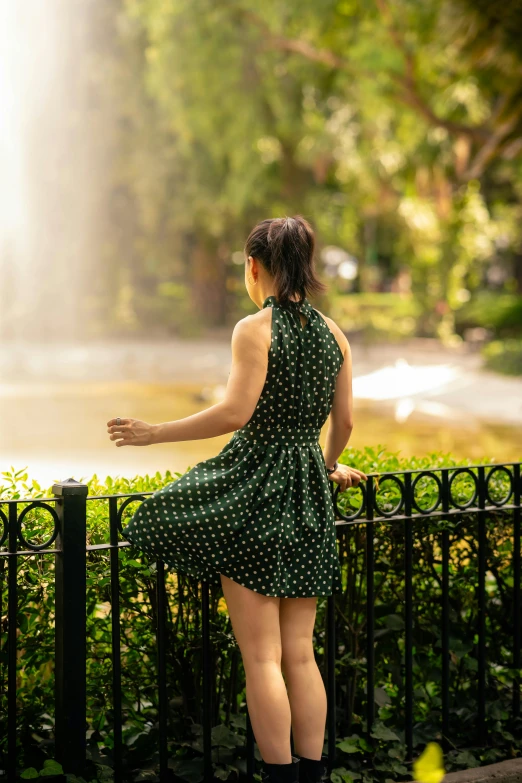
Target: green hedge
x,y
501,313
357,760
503,356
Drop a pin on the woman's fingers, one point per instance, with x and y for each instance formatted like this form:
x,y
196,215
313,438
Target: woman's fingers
x,y
123,426
131,432
111,422
121,433
118,436
349,478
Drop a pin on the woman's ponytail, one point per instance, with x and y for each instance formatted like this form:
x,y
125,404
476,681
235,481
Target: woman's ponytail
x,y
285,247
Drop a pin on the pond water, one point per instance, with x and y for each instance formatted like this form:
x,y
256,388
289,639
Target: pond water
x,y
57,430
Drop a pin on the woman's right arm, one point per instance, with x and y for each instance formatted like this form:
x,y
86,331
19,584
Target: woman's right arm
x,y
340,421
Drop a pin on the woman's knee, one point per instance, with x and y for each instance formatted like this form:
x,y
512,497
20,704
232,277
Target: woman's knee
x,y
297,622
297,652
261,654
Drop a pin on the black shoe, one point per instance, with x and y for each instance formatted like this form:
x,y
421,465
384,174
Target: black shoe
x,y
281,773
313,770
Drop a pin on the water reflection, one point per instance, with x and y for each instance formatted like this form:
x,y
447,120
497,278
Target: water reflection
x,y
395,381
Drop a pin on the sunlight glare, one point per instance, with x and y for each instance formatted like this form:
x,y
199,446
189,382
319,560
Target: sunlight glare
x,y
403,380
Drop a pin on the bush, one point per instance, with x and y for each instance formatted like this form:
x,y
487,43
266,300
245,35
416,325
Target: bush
x,y
499,313
376,758
503,356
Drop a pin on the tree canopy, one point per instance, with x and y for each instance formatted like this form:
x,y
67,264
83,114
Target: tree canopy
x,y
395,127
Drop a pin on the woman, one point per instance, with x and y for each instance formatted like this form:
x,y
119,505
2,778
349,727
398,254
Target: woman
x,y
258,518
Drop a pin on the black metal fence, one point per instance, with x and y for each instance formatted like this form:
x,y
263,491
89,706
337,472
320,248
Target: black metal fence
x,y
68,511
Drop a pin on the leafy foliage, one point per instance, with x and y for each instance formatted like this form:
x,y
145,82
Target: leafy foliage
x,y
504,356
378,755
395,127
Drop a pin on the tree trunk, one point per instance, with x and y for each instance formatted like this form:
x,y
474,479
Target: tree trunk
x,y
208,281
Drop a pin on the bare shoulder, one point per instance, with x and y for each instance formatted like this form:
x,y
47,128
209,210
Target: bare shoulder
x,y
337,333
254,330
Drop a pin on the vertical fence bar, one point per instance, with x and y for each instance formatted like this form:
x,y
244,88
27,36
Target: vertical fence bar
x,y
71,625
12,610
517,641
207,683
481,605
370,598
331,648
250,749
408,619
445,654
161,603
116,638
445,639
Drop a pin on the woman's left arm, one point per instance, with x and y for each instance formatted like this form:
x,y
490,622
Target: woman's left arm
x,y
245,384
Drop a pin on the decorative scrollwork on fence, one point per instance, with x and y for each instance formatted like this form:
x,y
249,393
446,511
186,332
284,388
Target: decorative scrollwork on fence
x,y
122,508
451,484
29,545
5,527
430,475
511,482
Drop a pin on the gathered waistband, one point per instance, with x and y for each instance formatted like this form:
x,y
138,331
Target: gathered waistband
x,y
280,436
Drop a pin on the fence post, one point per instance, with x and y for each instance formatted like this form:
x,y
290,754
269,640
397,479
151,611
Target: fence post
x,y
70,626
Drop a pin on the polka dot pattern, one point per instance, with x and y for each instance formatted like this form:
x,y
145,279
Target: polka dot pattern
x,y
261,511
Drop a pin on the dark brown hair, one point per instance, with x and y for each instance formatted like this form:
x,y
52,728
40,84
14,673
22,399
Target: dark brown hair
x,y
285,247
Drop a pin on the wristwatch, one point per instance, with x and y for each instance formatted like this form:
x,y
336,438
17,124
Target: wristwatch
x,y
332,470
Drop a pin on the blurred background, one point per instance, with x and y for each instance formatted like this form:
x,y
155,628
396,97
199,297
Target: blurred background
x,y
140,141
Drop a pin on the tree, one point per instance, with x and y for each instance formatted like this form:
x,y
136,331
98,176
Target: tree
x,y
395,127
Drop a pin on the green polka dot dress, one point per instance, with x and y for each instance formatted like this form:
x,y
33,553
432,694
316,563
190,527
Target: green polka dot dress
x,y
261,511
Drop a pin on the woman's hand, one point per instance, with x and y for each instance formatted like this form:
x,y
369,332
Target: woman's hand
x,y
346,476
131,432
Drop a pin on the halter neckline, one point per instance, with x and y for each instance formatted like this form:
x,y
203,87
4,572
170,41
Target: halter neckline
x,y
271,301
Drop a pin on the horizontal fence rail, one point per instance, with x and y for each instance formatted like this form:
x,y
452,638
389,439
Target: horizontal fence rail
x,y
386,499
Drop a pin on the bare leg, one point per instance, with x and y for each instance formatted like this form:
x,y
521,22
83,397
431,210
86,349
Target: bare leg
x,y
255,622
305,685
